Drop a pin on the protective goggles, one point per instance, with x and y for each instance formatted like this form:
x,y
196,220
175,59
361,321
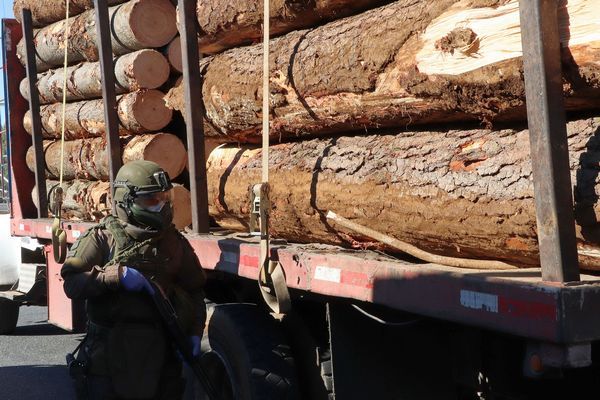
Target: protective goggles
x,y
153,202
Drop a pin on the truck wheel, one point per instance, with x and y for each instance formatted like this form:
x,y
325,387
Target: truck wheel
x,y
9,314
246,355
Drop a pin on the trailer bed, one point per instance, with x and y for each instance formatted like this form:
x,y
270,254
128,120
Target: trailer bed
x,y
516,302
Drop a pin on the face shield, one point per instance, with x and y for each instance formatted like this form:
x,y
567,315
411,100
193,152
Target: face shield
x,y
153,202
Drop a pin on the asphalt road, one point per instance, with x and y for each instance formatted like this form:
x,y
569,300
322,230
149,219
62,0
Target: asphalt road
x,y
32,359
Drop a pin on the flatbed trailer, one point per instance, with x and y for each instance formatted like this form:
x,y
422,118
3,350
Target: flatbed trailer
x,y
355,307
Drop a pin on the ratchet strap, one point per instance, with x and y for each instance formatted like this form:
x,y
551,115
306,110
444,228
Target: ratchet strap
x,y
271,277
59,236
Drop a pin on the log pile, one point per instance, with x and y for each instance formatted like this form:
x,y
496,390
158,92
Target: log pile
x,y
91,201
139,29
401,64
88,159
362,97
380,89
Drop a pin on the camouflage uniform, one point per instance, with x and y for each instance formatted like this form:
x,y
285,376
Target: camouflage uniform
x,y
126,349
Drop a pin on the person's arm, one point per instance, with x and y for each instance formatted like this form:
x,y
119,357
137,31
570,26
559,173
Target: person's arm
x,y
82,271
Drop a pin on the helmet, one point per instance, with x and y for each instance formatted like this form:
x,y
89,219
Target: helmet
x,y
142,194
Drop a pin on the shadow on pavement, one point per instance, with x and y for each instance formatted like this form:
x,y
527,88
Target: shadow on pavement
x,y
39,329
33,382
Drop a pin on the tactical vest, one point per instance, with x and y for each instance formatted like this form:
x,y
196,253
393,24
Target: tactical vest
x,y
126,249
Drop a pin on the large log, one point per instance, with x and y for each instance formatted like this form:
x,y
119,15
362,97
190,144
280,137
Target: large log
x,y
401,64
88,158
91,201
45,12
139,112
456,193
142,69
226,24
135,25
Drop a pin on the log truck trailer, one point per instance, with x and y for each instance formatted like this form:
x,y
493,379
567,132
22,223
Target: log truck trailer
x,y
361,324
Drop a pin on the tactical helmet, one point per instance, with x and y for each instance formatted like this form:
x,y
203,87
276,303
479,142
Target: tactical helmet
x,y
142,194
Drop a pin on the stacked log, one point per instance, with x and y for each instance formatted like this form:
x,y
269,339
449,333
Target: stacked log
x,y
226,24
463,193
82,200
139,112
173,54
88,159
402,64
46,12
142,69
91,201
135,25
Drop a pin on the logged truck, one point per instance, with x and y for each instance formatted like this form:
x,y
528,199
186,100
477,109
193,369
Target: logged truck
x,y
428,224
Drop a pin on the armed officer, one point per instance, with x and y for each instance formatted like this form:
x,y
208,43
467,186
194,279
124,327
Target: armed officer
x,y
126,353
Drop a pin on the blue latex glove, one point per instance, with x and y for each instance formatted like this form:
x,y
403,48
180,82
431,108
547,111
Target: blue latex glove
x,y
132,280
195,345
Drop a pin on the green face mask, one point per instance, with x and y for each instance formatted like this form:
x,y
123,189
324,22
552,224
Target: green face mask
x,y
152,219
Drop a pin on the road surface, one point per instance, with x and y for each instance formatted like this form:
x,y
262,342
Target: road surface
x,y
32,359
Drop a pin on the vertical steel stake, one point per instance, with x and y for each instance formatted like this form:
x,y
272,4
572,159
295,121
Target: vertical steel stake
x,y
34,107
548,137
194,112
107,69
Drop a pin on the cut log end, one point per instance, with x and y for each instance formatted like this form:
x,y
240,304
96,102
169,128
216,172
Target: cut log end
x,y
182,207
150,111
150,69
164,149
153,23
174,54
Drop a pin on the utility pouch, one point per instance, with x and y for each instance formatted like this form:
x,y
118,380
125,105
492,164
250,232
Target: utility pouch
x,y
136,358
78,365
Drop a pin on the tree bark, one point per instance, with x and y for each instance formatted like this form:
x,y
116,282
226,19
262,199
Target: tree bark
x,y
226,24
401,64
45,12
82,200
91,201
135,25
139,112
456,193
142,69
88,158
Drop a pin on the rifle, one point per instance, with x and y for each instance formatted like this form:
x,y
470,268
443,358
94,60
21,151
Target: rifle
x,y
179,339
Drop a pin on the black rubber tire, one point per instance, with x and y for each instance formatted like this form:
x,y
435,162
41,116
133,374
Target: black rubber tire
x,y
9,314
249,349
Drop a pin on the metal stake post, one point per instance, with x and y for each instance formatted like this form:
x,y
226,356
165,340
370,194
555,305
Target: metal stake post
x,y
34,107
548,137
194,111
107,69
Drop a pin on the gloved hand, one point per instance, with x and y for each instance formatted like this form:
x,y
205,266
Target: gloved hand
x,y
195,345
132,280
